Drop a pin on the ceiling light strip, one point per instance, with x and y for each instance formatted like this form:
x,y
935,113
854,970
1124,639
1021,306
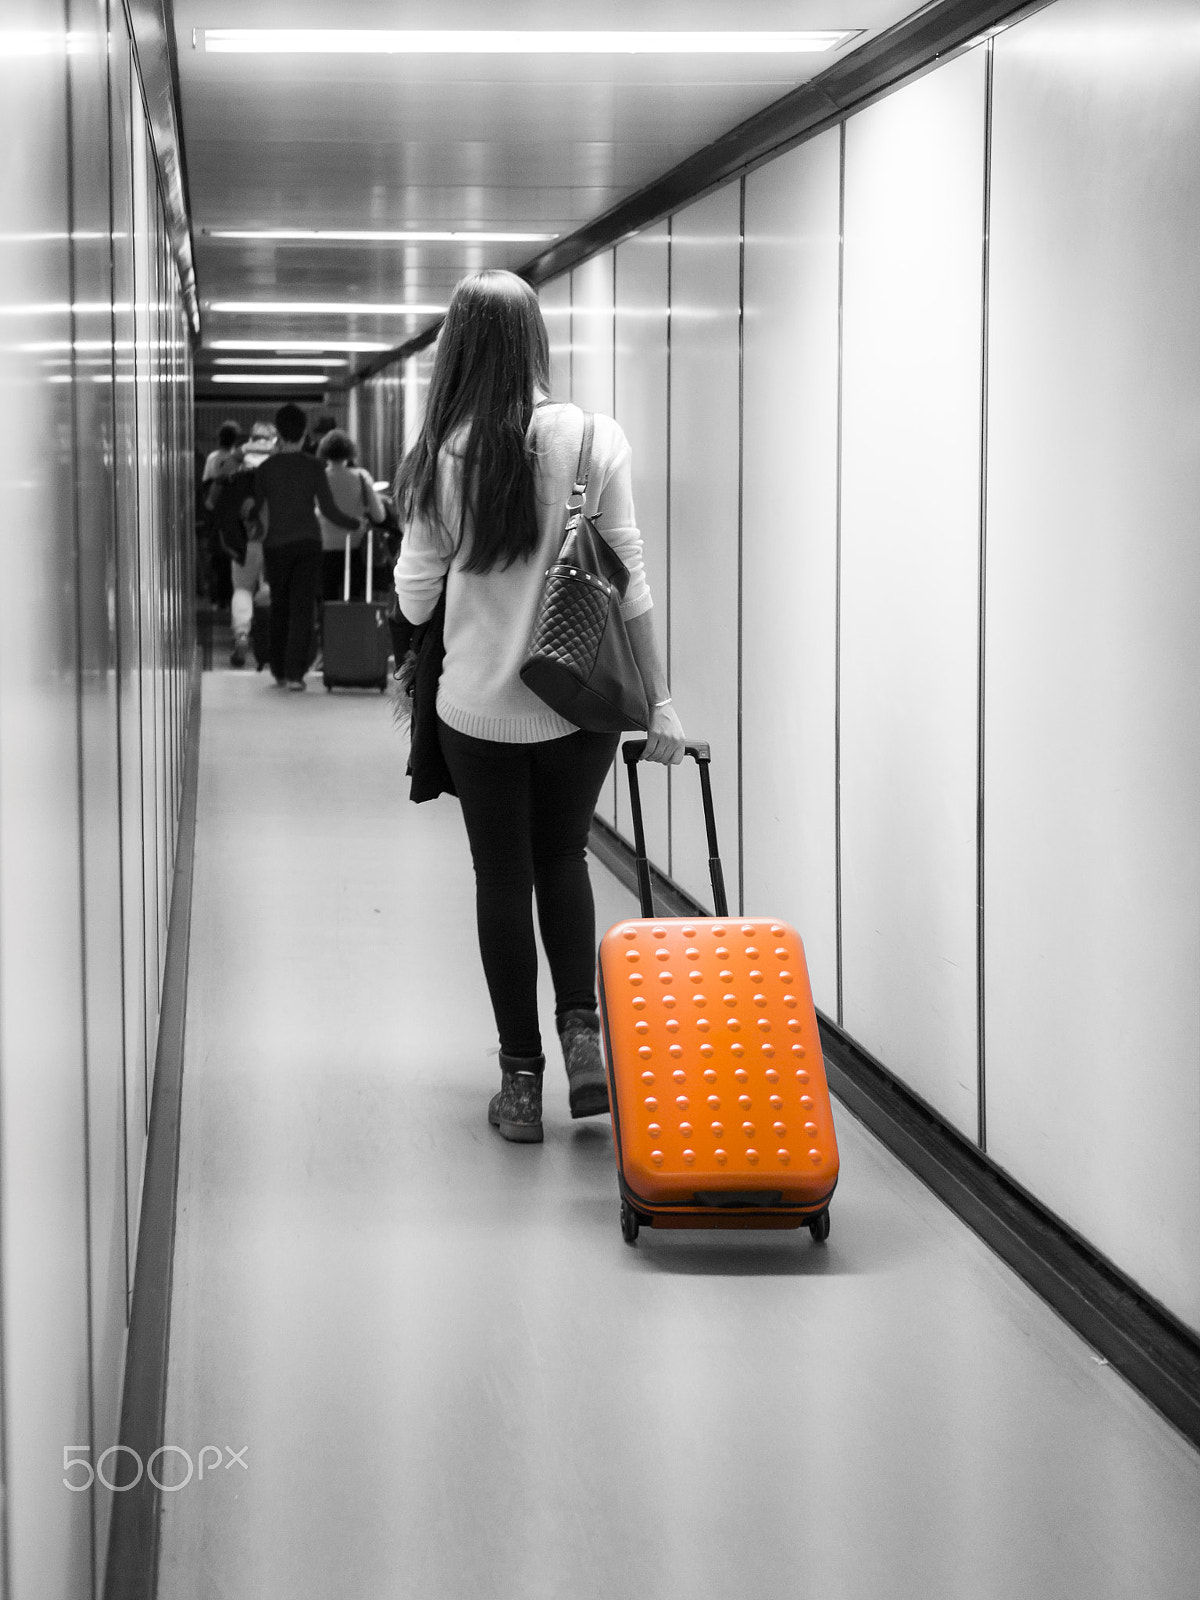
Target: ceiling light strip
x,y
485,41
280,361
320,308
306,378
375,236
352,345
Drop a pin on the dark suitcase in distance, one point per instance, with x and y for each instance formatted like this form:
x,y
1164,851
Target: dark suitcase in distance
x,y
355,642
721,1115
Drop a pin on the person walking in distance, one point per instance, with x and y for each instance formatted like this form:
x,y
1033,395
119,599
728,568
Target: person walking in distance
x,y
228,501
355,493
482,496
288,488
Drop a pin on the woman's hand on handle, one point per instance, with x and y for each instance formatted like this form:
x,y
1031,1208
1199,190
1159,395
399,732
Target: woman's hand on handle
x,y
664,737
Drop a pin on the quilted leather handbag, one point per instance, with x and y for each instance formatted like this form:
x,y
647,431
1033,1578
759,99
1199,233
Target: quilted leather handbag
x,y
580,661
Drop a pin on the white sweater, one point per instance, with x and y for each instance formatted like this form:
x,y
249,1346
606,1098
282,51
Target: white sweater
x,y
490,616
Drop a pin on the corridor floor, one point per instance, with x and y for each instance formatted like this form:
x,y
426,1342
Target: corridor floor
x,y
448,1375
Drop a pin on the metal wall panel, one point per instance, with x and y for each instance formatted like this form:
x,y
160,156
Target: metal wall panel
x,y
424,376
704,448
156,533
789,548
555,299
43,1198
592,382
100,778
147,581
592,334
173,529
414,407
129,633
91,495
640,405
911,422
1092,883
376,422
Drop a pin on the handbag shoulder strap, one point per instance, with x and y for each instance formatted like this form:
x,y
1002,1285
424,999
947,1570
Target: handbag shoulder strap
x,y
585,462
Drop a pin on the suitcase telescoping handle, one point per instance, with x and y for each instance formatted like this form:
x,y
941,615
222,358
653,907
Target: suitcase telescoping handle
x,y
633,750
369,550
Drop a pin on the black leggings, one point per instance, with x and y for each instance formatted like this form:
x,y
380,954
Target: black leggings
x,y
528,809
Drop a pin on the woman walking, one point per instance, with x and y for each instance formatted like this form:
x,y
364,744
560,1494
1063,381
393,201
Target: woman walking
x,y
354,494
482,494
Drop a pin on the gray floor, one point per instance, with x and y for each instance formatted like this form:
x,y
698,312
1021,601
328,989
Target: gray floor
x,y
450,1376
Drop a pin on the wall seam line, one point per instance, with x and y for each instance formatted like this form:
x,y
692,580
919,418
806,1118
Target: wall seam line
x,y
741,831
667,645
837,586
5,1575
616,806
985,320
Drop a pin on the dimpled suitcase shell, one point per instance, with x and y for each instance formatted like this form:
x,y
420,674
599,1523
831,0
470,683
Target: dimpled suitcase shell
x,y
721,1114
715,1073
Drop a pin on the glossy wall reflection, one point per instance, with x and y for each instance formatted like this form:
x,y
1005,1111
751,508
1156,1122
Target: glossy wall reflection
x,y
373,415
96,665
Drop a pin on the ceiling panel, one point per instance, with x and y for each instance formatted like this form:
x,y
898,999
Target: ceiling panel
x,y
581,114
516,142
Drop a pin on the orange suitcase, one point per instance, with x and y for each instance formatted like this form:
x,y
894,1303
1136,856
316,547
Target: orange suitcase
x,y
720,1109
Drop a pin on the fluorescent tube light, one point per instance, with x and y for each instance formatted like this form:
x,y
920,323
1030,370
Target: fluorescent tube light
x,y
16,43
59,308
510,42
48,238
280,361
376,236
299,344
308,378
319,308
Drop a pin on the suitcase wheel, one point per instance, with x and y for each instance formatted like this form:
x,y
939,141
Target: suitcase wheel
x,y
629,1223
819,1226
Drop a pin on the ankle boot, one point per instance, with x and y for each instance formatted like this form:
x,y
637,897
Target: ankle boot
x,y
579,1034
517,1109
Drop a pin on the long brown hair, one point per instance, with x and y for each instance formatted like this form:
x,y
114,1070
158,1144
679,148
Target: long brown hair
x,y
492,353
